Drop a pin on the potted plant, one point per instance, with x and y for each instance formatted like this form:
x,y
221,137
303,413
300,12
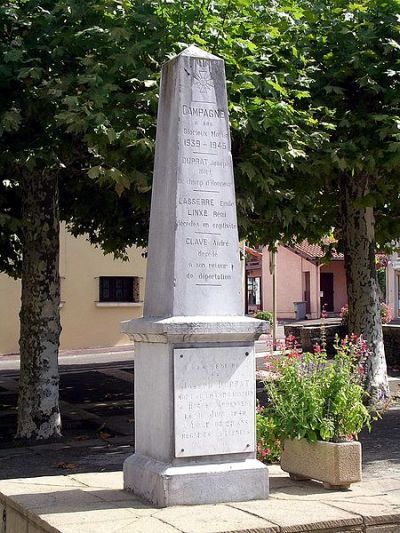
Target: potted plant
x,y
316,410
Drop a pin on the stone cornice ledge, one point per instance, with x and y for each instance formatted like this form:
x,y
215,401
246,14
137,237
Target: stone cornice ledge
x,y
195,328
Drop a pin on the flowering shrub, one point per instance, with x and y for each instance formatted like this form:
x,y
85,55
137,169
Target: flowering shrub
x,y
268,444
386,314
313,398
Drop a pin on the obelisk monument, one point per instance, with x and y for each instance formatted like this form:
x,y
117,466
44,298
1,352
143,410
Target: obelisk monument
x,y
194,350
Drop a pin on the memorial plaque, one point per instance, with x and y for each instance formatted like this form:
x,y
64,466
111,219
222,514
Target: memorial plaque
x,y
214,392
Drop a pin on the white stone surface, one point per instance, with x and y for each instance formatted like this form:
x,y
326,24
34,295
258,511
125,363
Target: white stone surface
x,y
166,484
193,257
194,415
154,407
214,400
191,326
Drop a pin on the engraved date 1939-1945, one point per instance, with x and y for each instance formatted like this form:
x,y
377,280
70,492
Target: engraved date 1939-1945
x,y
196,143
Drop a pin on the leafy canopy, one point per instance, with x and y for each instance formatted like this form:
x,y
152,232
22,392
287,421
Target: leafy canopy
x,y
77,101
313,94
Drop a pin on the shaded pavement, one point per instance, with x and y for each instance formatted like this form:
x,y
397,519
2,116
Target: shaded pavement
x,y
98,420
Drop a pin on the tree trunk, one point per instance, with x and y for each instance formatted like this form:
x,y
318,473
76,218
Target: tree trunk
x,y
358,226
38,407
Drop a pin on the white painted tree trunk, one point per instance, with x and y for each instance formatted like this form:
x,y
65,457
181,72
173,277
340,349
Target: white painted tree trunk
x,y
38,406
358,226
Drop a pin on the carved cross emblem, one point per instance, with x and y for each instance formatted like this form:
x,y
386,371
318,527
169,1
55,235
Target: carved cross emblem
x,y
203,81
202,85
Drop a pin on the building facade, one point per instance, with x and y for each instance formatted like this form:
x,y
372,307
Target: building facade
x,y
97,293
303,281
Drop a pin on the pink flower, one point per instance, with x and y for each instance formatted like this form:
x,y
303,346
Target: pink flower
x,y
364,345
264,452
317,348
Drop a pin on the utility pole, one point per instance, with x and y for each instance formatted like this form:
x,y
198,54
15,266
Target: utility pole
x,y
272,270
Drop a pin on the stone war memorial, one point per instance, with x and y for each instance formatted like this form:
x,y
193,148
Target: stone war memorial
x,y
195,439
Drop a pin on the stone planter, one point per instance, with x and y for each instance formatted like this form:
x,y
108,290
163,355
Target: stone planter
x,y
337,465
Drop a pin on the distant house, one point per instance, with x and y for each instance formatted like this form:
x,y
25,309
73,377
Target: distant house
x,y
305,285
97,293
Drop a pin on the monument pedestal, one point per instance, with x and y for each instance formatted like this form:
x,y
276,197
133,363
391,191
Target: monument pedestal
x,y
195,411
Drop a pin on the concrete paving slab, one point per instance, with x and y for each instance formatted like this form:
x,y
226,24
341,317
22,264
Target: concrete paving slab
x,y
294,516
52,498
62,481
383,484
278,478
115,526
393,497
90,502
279,482
83,513
121,497
314,491
106,480
214,519
382,510
382,529
28,496
143,525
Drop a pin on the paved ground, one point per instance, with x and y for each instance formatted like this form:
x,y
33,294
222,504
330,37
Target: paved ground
x,y
96,391
94,503
97,405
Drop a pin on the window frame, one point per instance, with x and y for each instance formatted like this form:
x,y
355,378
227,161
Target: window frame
x,y
126,293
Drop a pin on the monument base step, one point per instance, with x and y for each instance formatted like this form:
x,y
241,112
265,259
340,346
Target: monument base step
x,y
166,485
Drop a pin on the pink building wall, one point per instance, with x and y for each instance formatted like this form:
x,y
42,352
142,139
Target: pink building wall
x,y
290,278
290,269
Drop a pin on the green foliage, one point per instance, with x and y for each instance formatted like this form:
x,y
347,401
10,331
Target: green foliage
x,y
268,443
265,315
313,94
76,102
313,91
317,399
79,97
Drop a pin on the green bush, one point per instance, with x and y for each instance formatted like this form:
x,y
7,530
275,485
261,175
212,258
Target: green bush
x,y
313,398
264,315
